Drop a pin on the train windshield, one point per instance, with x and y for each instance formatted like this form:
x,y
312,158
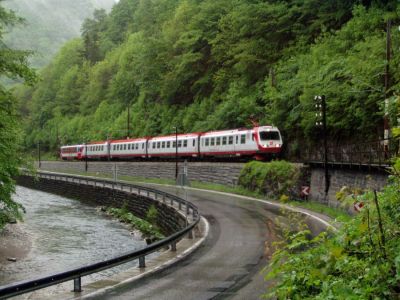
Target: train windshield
x,y
269,135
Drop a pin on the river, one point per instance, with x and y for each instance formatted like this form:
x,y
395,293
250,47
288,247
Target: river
x,y
66,234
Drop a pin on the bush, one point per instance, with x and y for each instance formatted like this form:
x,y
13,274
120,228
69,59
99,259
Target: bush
x,y
276,178
360,261
146,228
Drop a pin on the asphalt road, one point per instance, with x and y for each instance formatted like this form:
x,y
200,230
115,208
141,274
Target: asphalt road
x,y
228,265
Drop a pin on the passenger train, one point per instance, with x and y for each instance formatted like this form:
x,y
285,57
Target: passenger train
x,y
260,143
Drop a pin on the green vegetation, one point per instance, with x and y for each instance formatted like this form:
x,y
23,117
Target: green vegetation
x,y
13,65
361,260
48,25
147,227
203,65
277,179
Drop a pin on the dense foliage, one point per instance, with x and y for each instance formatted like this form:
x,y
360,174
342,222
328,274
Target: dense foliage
x,y
49,24
361,261
13,64
203,65
277,179
147,227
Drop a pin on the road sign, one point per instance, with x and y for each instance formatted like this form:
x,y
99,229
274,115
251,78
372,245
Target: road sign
x,y
305,191
358,205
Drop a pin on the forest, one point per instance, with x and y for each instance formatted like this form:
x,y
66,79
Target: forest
x,y
48,25
205,65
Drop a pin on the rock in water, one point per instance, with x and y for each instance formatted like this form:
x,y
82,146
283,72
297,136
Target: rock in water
x,y
13,259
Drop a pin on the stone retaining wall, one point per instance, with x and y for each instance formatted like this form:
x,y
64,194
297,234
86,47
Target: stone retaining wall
x,y
169,220
220,173
352,178
228,174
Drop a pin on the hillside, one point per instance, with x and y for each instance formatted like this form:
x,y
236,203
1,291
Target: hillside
x,y
49,24
203,65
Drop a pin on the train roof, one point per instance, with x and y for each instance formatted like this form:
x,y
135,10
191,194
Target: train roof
x,y
180,135
129,140
69,146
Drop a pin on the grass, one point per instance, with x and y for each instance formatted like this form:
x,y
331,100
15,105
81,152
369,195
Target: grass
x,y
334,213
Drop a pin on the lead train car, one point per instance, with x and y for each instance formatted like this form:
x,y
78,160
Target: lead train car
x,y
258,142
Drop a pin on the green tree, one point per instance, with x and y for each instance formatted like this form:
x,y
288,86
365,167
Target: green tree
x,y
13,64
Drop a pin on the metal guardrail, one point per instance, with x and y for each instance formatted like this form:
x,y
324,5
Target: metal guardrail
x,y
76,274
376,153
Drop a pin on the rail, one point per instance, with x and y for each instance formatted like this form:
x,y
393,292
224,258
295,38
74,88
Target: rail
x,y
376,153
76,274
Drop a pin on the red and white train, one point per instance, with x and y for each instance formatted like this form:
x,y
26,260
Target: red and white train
x,y
259,142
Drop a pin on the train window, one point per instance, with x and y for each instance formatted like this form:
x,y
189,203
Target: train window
x,y
113,147
174,144
194,142
230,140
163,145
243,139
124,146
218,142
179,144
129,146
252,137
212,142
142,145
184,143
137,147
158,145
168,144
207,141
224,140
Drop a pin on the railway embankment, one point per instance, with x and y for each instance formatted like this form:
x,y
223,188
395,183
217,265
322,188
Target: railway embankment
x,y
228,174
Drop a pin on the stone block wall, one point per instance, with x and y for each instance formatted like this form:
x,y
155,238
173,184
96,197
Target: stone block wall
x,y
352,178
169,220
220,173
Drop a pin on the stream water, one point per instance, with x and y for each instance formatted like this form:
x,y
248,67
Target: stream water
x,y
66,234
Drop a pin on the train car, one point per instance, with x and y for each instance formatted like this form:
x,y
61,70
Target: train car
x,y
258,142
129,148
96,150
71,152
165,146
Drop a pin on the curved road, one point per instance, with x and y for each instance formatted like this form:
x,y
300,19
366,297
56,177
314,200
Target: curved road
x,y
229,263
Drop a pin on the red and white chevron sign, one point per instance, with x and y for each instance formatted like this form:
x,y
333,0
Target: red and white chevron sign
x,y
305,191
358,205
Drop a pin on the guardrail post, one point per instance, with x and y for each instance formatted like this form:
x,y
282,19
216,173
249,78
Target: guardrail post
x,y
163,198
180,205
173,246
142,262
172,202
190,234
77,285
187,208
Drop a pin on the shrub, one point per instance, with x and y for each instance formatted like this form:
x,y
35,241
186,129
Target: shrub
x,y
360,261
276,178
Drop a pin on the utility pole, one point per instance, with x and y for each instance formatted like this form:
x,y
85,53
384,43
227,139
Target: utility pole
x,y
321,122
176,153
386,126
86,158
39,158
128,122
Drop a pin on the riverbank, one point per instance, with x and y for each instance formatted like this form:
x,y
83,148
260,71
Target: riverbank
x,y
15,243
